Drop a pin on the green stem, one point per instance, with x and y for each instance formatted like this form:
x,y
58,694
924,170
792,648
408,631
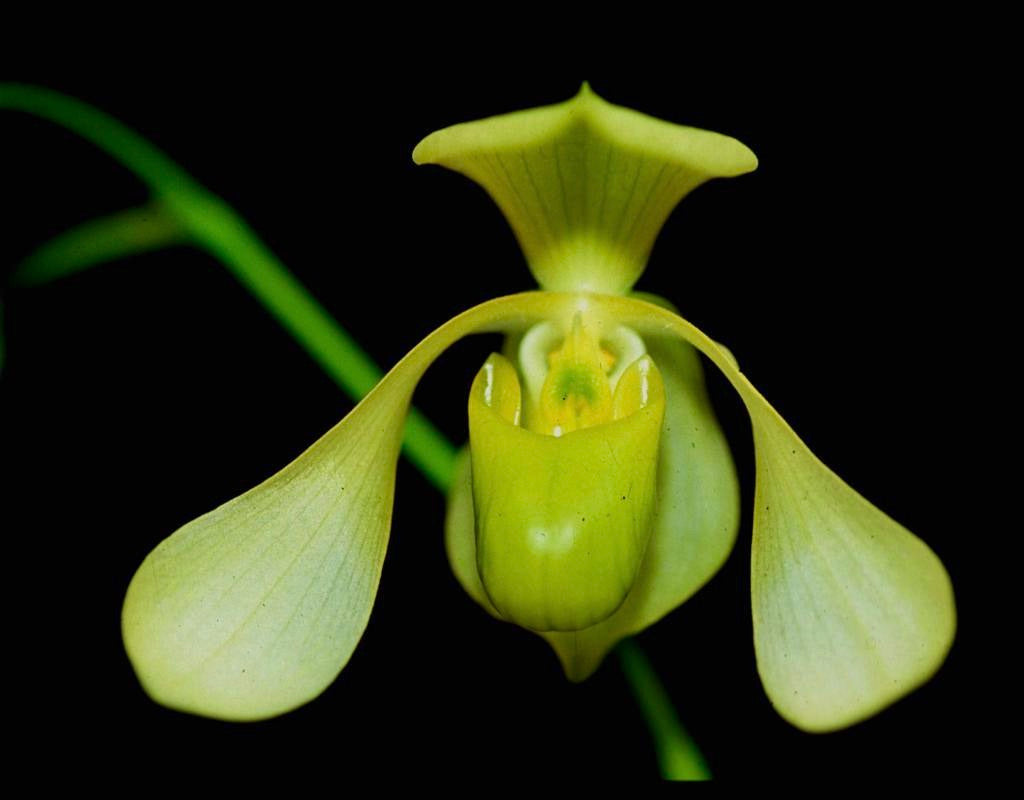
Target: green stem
x,y
228,238
184,211
211,224
679,758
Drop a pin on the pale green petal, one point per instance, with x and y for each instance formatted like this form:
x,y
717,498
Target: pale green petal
x,y
851,611
586,185
695,523
254,608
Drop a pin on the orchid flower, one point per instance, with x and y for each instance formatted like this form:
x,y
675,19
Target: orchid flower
x,y
597,494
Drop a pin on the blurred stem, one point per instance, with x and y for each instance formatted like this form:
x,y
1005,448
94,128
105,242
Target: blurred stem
x,y
679,758
129,232
185,212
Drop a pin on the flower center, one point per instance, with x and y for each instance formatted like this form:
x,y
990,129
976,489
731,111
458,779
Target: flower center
x,y
571,378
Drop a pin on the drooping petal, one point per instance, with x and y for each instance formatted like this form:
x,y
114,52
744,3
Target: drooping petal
x,y
254,608
695,522
851,610
586,185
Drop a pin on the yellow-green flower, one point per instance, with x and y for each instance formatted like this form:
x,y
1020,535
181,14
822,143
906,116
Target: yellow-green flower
x,y
598,492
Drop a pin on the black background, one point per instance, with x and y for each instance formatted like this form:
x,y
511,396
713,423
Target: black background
x,y
142,393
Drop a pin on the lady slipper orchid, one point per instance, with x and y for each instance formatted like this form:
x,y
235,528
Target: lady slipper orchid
x,y
597,494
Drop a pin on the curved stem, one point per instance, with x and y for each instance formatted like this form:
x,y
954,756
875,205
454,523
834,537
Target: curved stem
x,y
122,144
211,224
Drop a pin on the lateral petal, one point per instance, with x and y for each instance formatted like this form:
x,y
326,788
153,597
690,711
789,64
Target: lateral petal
x,y
851,610
254,608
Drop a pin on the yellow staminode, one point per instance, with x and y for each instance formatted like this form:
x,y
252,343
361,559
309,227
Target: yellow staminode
x,y
576,393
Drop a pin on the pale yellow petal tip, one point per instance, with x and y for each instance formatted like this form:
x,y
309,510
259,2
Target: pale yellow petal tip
x,y
715,155
851,610
830,711
497,132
